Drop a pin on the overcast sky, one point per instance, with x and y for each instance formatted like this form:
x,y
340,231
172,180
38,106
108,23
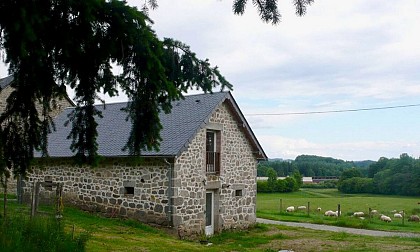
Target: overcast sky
x,y
342,55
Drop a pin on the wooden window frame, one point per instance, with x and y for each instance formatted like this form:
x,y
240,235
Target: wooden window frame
x,y
213,142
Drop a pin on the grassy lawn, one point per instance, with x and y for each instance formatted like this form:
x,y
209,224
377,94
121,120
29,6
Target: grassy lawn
x,y
127,235
269,205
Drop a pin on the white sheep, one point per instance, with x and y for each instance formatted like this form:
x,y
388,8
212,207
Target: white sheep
x,y
393,211
385,218
397,215
331,213
290,209
374,211
319,209
328,213
358,214
301,208
414,218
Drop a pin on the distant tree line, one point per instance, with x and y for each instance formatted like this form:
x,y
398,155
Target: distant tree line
x,y
274,184
309,166
400,176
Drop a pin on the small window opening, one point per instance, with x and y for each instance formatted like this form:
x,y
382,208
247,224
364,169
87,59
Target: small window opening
x,y
238,193
48,184
128,190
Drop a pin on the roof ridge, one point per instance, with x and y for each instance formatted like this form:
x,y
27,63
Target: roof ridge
x,y
181,99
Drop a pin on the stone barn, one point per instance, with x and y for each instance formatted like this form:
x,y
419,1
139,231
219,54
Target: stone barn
x,y
202,180
6,89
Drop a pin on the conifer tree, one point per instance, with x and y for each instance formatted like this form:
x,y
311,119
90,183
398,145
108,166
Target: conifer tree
x,y
50,44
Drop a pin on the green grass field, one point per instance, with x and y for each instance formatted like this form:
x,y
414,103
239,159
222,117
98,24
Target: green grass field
x,y
273,206
126,235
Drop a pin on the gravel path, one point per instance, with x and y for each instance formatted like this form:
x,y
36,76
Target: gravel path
x,y
339,229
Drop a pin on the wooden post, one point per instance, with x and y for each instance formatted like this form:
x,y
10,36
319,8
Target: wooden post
x,y
338,210
33,202
403,216
308,207
19,189
58,194
281,205
37,188
370,213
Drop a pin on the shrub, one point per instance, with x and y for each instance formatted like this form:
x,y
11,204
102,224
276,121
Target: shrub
x,y
262,186
356,185
321,185
20,233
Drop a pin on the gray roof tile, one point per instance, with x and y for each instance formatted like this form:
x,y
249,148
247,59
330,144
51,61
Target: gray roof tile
x,y
4,82
179,127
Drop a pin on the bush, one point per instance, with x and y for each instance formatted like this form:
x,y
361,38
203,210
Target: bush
x,y
262,186
19,233
321,185
280,185
356,185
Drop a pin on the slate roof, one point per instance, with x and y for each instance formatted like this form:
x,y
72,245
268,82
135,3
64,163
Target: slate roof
x,y
179,127
4,82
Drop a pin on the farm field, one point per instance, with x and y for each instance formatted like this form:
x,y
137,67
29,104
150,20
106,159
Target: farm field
x,y
126,235
273,206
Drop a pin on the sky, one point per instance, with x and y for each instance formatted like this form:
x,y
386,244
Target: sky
x,y
342,55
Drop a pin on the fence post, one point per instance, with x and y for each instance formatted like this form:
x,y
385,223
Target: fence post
x,y
338,210
281,205
308,207
370,214
34,204
403,216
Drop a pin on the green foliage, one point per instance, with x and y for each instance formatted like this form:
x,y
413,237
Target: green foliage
x,y
321,185
272,178
51,44
310,166
262,186
268,10
399,176
356,185
298,178
289,184
40,234
350,173
282,168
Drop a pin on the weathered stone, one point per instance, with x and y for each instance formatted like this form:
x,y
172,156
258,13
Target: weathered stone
x,y
102,186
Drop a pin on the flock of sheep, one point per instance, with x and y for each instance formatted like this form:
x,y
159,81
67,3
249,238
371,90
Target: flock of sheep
x,y
360,215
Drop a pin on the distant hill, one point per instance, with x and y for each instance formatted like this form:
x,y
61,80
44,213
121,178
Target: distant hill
x,y
311,165
363,164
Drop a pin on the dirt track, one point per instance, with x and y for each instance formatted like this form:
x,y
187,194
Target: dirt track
x,y
339,229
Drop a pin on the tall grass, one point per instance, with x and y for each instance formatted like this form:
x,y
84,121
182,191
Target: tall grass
x,y
20,233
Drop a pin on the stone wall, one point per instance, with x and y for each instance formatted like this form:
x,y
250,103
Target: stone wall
x,y
106,189
237,176
189,188
58,107
238,173
3,96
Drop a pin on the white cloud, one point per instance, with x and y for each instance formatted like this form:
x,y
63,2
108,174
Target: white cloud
x,y
289,148
341,55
